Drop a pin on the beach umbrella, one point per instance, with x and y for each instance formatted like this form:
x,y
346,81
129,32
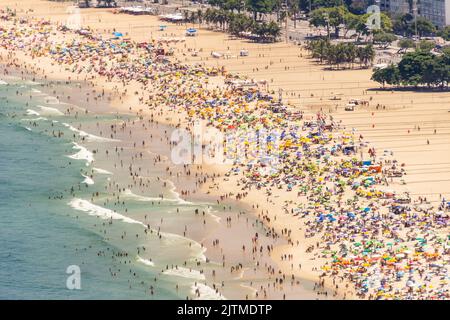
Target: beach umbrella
x,y
117,34
410,283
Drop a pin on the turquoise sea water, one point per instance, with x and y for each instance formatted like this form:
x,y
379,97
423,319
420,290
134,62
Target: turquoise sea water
x,y
40,235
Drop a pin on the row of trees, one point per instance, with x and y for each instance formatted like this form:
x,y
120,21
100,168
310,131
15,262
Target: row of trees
x,y
342,54
406,25
351,14
294,6
259,8
237,24
329,14
417,68
256,7
340,17
354,6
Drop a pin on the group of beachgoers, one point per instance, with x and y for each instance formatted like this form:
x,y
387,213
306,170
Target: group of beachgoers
x,y
376,239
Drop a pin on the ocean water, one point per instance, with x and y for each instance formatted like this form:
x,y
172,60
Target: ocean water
x,y
42,230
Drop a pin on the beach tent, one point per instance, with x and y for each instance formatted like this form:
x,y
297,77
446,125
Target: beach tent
x,y
191,32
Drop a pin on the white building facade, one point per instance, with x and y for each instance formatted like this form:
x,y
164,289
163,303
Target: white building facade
x,y
437,11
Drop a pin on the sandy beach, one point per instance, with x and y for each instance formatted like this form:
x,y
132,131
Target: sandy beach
x,y
409,129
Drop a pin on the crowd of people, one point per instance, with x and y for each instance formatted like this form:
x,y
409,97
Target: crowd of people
x,y
377,239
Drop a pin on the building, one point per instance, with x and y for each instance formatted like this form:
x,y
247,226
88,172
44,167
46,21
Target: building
x,y
437,11
400,6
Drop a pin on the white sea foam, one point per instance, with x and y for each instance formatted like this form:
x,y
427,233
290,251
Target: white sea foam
x,y
28,129
88,136
102,171
50,111
185,273
88,180
175,239
104,213
83,154
210,212
37,93
130,195
146,261
206,292
36,119
3,82
177,196
31,112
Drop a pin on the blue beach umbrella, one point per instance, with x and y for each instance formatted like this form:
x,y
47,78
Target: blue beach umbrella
x,y
118,34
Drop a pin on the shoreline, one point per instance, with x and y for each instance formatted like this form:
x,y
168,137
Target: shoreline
x,y
275,210
96,143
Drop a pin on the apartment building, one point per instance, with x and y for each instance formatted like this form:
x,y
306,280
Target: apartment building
x,y
437,11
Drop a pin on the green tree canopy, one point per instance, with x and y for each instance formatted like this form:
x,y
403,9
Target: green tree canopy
x,y
384,39
406,43
426,46
389,75
445,33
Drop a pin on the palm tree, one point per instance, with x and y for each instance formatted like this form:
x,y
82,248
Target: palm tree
x,y
186,16
222,19
369,55
350,54
293,10
240,23
199,17
208,15
273,30
366,55
319,49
